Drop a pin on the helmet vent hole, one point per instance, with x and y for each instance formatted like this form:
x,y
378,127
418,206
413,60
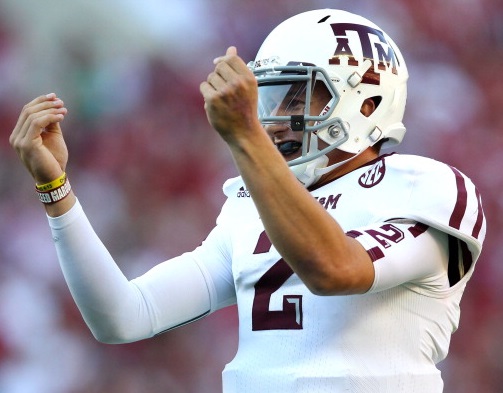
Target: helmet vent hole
x,y
324,19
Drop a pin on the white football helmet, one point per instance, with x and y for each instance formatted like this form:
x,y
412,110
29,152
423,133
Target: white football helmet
x,y
356,60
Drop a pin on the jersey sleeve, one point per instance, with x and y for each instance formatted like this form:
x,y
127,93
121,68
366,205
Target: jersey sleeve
x,y
442,197
446,199
406,252
209,262
116,309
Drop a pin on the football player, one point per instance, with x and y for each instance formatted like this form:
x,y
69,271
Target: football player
x,y
348,266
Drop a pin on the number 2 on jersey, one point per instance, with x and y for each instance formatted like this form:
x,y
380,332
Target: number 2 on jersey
x,y
290,317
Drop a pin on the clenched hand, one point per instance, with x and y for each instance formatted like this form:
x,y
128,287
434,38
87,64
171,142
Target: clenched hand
x,y
230,95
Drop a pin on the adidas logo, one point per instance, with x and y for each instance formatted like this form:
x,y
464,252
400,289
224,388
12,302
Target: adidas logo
x,y
243,193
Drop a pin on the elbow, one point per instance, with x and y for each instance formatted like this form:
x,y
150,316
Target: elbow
x,y
113,333
323,288
320,290
109,337
333,289
335,283
322,284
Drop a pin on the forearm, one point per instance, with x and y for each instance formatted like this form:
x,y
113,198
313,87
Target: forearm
x,y
307,237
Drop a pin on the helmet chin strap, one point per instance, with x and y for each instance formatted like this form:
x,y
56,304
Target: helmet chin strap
x,y
307,173
323,170
310,172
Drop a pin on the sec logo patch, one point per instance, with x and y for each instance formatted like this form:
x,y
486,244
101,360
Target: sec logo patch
x,y
373,176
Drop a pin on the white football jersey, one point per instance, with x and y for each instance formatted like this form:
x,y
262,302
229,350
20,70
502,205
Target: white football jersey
x,y
387,340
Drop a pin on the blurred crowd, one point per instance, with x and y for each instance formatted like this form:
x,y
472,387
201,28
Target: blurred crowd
x,y
148,169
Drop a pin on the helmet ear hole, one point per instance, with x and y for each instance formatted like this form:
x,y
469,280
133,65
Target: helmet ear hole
x,y
370,105
377,100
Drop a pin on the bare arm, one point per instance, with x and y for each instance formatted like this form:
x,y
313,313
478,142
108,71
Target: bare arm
x,y
328,261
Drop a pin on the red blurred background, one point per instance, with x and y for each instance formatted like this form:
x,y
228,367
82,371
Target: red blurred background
x,y
148,169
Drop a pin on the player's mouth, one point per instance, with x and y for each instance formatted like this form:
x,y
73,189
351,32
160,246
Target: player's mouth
x,y
288,148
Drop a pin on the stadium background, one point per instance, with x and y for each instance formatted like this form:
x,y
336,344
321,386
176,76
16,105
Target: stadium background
x,y
148,169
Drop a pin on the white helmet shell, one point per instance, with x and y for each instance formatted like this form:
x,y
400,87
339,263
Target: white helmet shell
x,y
361,61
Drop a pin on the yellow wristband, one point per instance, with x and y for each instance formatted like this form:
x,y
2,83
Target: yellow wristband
x,y
53,184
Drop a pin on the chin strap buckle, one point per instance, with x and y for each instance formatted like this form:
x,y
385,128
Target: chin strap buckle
x,y
356,77
375,135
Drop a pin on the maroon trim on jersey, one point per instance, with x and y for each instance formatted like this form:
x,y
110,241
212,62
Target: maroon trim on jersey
x,y
418,229
381,157
375,253
461,202
371,162
480,216
263,244
354,234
